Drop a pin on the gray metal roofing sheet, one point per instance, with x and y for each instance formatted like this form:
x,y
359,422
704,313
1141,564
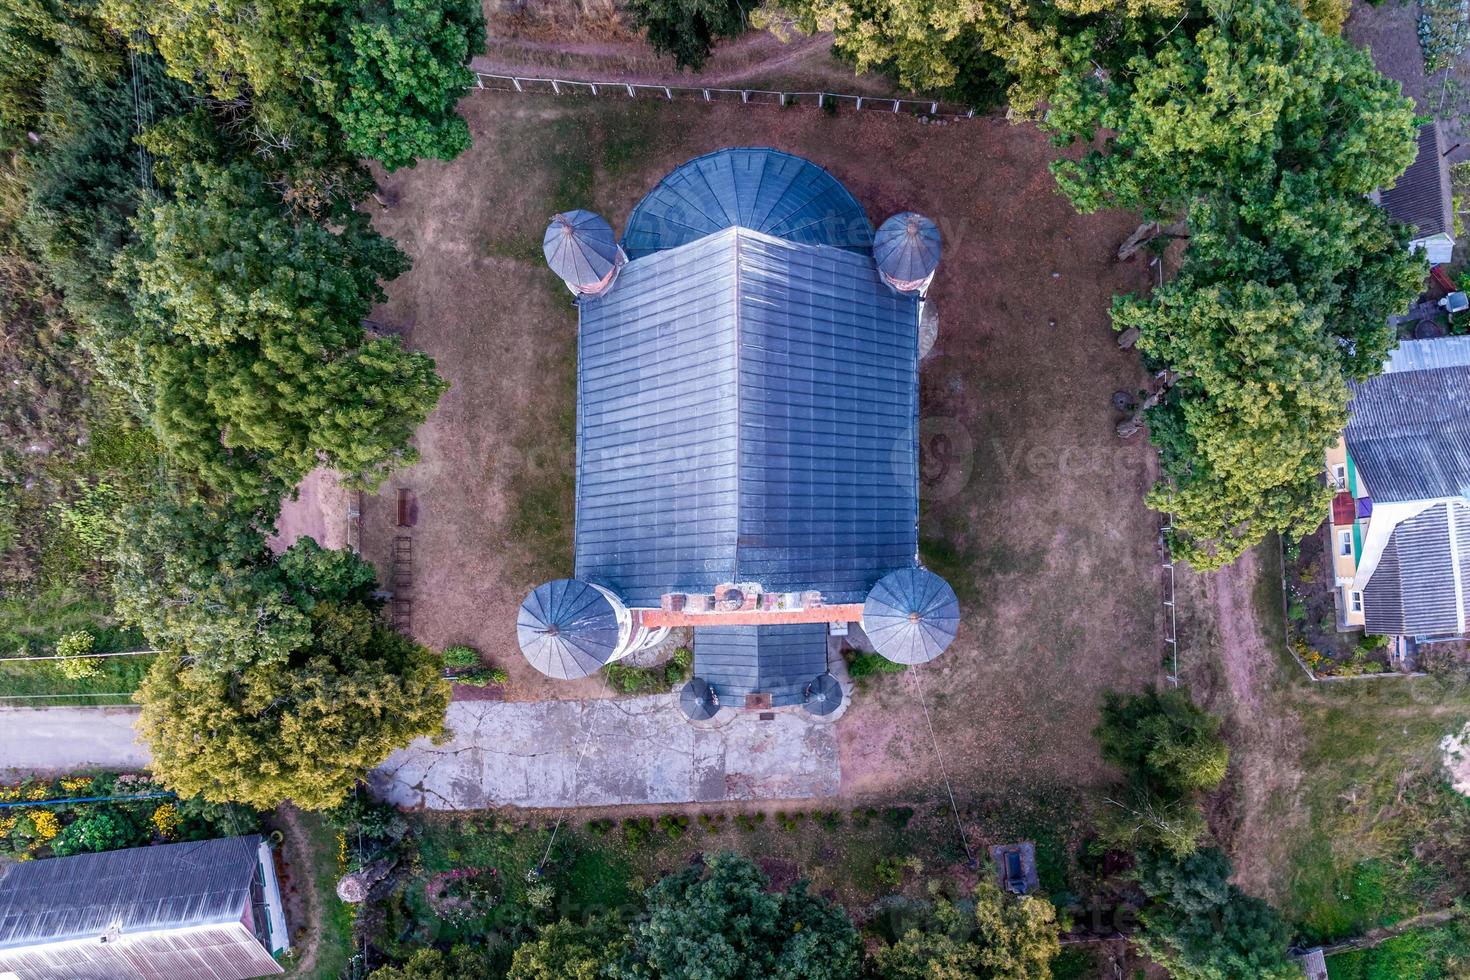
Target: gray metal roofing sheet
x,y
751,187
1422,196
567,629
911,616
776,659
906,247
1412,590
580,247
138,889
747,411
1409,434
1430,355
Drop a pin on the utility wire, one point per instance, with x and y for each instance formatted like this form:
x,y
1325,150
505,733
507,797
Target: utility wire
x,y
943,772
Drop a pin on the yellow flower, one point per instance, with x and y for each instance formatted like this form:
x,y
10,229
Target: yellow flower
x,y
166,820
76,784
7,824
38,792
9,792
46,824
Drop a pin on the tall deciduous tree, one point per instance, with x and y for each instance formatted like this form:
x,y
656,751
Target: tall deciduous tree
x,y
569,950
256,349
304,729
403,66
1200,927
687,29
1004,938
721,922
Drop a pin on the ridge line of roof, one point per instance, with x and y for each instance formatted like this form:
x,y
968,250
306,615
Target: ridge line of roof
x,y
738,375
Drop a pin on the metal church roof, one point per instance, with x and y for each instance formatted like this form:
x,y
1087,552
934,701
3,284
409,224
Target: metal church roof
x,y
580,247
758,188
779,660
567,629
175,910
747,411
911,616
906,247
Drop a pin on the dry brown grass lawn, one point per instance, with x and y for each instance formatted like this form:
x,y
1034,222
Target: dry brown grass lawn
x,y
1032,507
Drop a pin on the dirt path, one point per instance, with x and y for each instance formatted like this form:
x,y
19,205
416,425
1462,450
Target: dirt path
x,y
302,902
1225,626
1381,935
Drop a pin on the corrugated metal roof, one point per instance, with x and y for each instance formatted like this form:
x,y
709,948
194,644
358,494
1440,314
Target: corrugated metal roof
x,y
580,247
911,616
1421,197
227,951
779,660
758,188
1415,589
747,412
567,629
1429,355
907,247
141,888
1409,434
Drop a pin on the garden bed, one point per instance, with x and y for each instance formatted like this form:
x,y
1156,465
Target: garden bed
x,y
1312,623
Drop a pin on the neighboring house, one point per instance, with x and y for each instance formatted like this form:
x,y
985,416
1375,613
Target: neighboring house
x,y
1401,516
1313,964
1421,198
209,910
747,433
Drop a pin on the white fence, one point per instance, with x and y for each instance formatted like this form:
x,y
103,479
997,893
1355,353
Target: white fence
x,y
741,96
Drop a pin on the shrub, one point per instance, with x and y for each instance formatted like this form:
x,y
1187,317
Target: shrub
x,y
165,821
898,817
637,831
829,819
482,677
680,667
461,656
74,647
599,827
100,828
867,664
673,825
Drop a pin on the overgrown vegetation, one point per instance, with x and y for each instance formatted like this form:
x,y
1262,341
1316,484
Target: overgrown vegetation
x,y
185,266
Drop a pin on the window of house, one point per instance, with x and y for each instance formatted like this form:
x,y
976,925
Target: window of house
x,y
1339,476
1355,601
1345,543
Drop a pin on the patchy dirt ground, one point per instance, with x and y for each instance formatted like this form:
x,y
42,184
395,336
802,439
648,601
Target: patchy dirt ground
x,y
1032,506
319,510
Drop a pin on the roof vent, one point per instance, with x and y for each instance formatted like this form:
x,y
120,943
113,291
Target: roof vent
x,y
580,247
906,249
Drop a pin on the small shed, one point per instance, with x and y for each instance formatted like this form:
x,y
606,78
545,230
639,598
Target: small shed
x,y
205,910
1314,964
1422,199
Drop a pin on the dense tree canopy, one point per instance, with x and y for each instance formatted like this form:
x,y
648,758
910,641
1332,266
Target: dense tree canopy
x,y
720,922
1200,927
403,65
1163,740
259,362
569,950
994,936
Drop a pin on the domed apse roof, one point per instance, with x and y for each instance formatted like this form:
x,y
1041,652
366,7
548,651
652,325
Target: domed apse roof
x,y
758,188
567,629
825,695
911,616
906,247
695,701
580,247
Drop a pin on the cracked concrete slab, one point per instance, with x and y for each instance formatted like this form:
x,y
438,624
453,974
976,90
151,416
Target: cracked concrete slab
x,y
547,754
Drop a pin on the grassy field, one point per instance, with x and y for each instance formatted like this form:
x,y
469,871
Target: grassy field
x,y
31,625
1339,809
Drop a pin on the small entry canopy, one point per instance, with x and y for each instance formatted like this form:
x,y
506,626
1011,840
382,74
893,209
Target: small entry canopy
x,y
695,701
823,695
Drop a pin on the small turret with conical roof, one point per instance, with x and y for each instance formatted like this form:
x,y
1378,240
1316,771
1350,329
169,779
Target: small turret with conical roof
x,y
580,247
911,616
906,248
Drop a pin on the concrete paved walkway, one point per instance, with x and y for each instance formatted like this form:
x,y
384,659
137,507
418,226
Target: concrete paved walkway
x,y
640,750
63,739
527,753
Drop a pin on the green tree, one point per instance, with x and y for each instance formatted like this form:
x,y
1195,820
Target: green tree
x,y
304,730
255,347
721,922
1198,926
460,963
687,29
569,950
1163,741
998,937
403,66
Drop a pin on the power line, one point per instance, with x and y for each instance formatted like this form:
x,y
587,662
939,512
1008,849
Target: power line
x,y
943,772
